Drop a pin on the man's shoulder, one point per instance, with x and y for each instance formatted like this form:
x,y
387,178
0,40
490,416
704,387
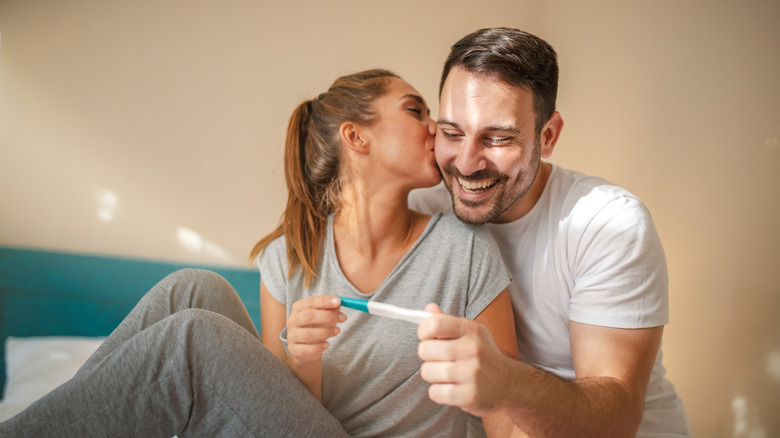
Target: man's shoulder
x,y
573,180
431,200
573,188
586,200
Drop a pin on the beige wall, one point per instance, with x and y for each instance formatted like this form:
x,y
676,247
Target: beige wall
x,y
154,129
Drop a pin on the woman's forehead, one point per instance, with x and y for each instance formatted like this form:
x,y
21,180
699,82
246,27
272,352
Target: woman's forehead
x,y
398,89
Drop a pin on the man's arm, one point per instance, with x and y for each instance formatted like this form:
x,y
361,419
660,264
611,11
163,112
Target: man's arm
x,y
606,398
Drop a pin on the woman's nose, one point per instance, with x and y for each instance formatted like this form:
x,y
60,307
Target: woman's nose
x,y
432,127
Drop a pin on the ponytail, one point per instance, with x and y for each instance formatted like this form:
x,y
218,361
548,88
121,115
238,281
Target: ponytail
x,y
312,162
302,223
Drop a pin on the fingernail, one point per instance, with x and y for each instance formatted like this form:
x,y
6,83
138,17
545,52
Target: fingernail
x,y
342,317
335,301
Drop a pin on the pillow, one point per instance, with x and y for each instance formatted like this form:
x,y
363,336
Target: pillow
x,y
37,365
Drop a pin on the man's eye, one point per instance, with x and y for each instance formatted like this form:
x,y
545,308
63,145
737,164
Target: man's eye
x,y
450,134
499,140
415,110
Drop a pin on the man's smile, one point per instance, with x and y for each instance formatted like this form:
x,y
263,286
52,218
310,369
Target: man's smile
x,y
476,186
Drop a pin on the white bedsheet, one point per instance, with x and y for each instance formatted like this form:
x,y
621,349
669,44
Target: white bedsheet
x,y
37,365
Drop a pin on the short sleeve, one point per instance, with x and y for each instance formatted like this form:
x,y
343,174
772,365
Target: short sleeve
x,y
272,263
621,279
488,275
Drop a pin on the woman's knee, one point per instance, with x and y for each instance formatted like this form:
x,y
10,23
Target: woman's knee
x,y
200,284
197,288
209,333
195,276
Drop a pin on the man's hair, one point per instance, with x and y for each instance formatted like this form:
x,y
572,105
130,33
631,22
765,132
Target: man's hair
x,y
514,57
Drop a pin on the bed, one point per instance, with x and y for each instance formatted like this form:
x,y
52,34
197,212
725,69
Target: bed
x,y
55,309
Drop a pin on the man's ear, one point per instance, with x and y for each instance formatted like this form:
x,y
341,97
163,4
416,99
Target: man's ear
x,y
354,137
551,132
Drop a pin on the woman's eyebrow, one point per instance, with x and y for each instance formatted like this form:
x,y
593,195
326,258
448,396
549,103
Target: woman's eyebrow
x,y
417,98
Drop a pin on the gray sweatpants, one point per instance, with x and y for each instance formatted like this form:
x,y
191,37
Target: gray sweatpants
x,y
186,361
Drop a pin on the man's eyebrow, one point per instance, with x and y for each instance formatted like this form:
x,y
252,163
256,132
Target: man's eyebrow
x,y
509,128
447,122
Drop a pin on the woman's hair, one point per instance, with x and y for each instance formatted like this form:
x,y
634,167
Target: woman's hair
x,y
312,163
513,57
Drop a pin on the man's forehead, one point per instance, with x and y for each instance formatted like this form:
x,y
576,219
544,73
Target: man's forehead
x,y
459,78
472,101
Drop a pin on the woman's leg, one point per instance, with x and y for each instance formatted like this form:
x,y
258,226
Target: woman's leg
x,y
195,373
184,289
172,369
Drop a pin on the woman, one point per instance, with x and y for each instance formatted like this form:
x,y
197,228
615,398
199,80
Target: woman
x,y
352,157
187,361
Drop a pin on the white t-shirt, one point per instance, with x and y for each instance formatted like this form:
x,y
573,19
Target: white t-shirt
x,y
587,252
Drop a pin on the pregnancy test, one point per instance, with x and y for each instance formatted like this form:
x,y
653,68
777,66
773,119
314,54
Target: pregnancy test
x,y
386,310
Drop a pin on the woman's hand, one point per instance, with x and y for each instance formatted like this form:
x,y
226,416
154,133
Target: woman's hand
x,y
311,323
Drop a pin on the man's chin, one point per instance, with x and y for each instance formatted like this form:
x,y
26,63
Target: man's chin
x,y
473,214
469,211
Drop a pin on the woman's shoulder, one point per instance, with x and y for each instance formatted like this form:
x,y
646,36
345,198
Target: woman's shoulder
x,y
452,230
273,253
276,245
450,223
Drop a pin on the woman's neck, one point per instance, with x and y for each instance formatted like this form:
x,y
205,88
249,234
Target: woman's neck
x,y
371,222
372,232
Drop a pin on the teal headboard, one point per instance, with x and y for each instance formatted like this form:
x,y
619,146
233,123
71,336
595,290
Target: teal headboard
x,y
58,294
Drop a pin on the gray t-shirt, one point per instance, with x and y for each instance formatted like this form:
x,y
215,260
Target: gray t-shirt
x,y
371,372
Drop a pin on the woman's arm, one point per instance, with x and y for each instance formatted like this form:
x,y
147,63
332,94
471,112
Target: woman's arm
x,y
273,319
499,319
312,321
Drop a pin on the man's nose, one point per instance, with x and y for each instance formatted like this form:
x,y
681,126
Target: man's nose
x,y
470,157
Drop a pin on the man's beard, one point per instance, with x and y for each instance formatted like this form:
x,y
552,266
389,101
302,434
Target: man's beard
x,y
464,209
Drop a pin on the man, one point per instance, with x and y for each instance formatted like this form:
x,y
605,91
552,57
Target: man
x,y
589,285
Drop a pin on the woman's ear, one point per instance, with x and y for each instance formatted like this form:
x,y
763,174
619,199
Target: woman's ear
x,y
354,137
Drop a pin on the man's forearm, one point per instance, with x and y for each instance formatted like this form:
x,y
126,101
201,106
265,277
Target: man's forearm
x,y
544,405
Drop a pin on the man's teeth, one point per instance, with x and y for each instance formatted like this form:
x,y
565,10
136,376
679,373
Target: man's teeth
x,y
476,185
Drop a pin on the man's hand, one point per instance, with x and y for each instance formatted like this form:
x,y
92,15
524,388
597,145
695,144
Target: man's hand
x,y
463,364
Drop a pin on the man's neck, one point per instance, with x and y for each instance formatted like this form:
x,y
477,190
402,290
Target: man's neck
x,y
526,203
